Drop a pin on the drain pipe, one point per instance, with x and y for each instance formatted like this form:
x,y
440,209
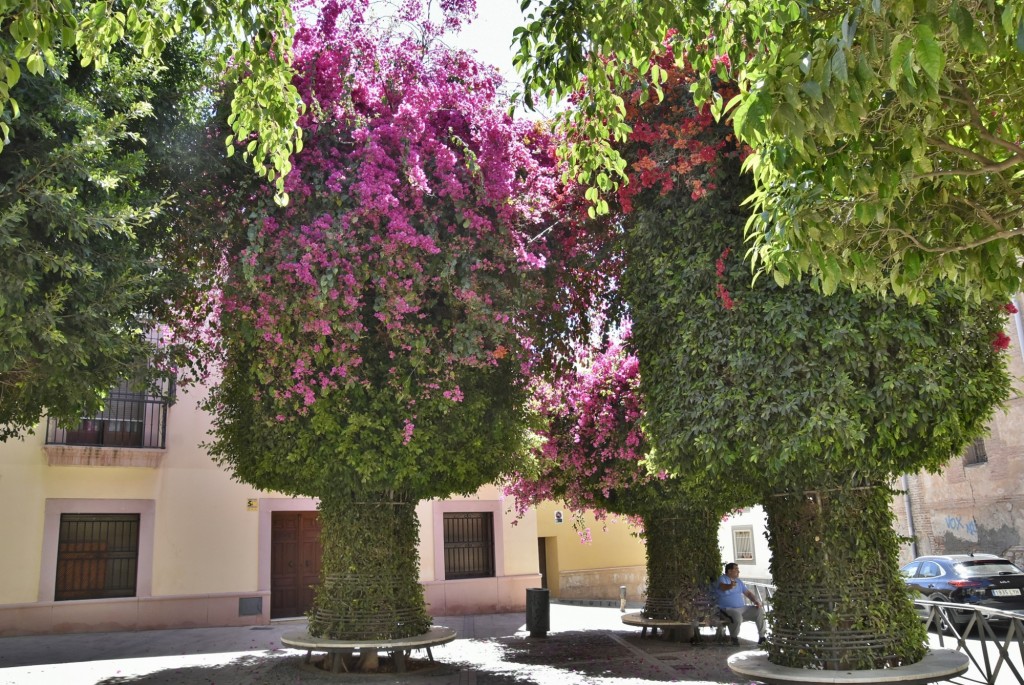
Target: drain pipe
x,y
910,517
1020,325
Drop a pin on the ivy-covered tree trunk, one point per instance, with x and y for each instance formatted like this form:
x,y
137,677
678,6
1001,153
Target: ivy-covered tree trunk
x,y
682,559
369,588
840,602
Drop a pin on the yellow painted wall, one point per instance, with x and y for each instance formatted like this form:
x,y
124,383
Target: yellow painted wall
x,y
26,482
613,541
194,556
520,540
205,541
21,510
615,555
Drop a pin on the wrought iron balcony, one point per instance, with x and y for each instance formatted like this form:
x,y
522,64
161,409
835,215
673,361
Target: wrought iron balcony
x,y
129,419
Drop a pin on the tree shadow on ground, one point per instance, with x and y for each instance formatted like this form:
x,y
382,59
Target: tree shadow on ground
x,y
571,658
594,657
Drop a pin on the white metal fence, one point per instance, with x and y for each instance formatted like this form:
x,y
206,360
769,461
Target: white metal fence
x,y
993,640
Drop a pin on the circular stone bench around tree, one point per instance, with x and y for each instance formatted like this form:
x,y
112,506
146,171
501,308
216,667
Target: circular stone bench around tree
x,y
938,664
398,649
675,630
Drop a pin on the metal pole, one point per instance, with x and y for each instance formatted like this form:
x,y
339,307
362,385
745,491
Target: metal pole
x,y
910,517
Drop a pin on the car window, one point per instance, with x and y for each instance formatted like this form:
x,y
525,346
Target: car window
x,y
929,569
910,569
974,569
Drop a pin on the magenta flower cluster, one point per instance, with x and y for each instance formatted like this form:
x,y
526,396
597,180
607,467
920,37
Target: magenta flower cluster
x,y
409,249
592,444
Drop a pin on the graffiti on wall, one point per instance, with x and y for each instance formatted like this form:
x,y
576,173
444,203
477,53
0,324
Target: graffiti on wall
x,y
961,527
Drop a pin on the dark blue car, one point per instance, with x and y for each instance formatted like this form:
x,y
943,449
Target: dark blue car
x,y
978,579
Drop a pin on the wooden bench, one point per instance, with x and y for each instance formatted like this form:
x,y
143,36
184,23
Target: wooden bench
x,y
337,650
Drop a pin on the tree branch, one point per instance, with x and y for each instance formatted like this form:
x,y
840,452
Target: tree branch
x,y
999,235
979,126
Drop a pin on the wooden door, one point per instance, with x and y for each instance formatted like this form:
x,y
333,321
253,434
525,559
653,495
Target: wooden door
x,y
295,556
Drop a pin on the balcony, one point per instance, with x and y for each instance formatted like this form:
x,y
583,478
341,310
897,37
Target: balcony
x,y
130,431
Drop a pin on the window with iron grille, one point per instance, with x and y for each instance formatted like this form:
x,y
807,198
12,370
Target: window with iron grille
x,y
468,545
134,415
976,453
743,544
97,556
129,419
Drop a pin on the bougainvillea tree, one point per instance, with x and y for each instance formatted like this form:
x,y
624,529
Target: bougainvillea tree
x,y
593,455
378,330
817,401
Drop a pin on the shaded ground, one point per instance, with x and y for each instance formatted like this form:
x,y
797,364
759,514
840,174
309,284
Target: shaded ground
x,y
585,646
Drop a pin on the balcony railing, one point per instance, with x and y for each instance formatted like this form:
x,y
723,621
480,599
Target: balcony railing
x,y
128,420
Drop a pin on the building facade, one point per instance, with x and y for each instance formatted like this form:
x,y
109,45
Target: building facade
x,y
592,560
125,523
595,563
743,538
976,503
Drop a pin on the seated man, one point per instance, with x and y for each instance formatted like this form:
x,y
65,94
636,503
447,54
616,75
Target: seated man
x,y
731,593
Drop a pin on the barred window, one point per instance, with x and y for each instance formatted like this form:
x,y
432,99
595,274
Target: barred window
x,y
134,415
468,545
743,544
976,453
97,556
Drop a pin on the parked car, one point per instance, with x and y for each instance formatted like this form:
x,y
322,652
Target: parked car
x,y
983,580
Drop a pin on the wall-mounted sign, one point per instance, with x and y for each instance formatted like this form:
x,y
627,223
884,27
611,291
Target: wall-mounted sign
x,y
559,517
252,505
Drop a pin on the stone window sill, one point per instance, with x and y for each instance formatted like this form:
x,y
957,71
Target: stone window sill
x,y
89,455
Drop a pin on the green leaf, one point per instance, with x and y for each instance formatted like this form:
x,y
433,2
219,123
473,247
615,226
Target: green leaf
x,y
898,53
903,10
928,52
780,277
961,17
34,64
13,73
839,65
812,89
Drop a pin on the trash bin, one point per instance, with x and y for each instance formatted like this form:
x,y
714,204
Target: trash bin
x,y
538,612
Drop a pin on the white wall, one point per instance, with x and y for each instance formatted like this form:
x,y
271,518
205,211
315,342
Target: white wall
x,y
753,519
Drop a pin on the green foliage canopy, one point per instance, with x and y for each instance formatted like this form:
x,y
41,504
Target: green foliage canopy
x,y
351,443
783,386
252,39
87,231
815,402
888,132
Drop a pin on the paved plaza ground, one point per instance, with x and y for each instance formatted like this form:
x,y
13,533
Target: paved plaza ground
x,y
587,645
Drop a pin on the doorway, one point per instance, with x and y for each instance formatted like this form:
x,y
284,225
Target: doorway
x,y
542,558
295,557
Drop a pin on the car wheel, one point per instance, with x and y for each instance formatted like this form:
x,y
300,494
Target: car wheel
x,y
948,618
